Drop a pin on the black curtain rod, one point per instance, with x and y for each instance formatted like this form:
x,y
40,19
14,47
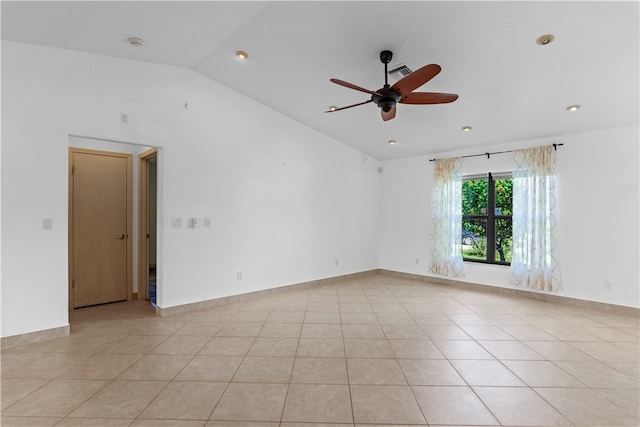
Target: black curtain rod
x,y
555,147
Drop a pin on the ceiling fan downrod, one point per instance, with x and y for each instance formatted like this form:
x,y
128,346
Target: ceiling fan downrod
x,y
385,58
389,97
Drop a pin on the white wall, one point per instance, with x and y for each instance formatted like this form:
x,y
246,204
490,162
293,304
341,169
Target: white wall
x,y
598,222
285,201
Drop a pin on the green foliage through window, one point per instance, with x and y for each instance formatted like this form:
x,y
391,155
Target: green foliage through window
x,y
487,207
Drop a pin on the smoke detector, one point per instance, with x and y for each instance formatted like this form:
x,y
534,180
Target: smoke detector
x,y
135,41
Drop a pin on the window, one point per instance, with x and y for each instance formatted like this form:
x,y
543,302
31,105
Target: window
x,y
487,206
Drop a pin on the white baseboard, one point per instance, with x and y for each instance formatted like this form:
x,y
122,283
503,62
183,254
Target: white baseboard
x,y
522,293
62,331
35,337
252,296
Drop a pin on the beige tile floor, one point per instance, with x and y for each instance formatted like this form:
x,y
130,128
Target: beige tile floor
x,y
362,352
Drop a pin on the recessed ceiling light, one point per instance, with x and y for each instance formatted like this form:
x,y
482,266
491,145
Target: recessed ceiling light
x,y
333,108
466,128
545,40
135,41
242,54
574,107
392,141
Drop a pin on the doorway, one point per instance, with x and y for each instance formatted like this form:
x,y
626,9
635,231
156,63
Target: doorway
x,y
147,225
100,221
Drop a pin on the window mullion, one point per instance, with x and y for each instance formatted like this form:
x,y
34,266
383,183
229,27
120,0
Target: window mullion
x,y
491,235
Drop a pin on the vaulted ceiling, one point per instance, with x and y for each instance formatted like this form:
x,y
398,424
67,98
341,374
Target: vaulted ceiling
x,y
510,88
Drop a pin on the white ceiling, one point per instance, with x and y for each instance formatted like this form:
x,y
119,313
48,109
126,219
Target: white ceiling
x,y
510,88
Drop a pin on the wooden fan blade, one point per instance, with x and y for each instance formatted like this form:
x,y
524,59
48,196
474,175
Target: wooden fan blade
x,y
348,106
388,116
428,98
416,79
352,86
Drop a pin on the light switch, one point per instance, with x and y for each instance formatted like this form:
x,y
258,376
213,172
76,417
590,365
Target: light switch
x,y
176,222
47,224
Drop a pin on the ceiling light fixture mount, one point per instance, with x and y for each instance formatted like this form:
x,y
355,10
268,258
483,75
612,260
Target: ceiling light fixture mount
x,y
241,54
466,128
332,108
574,107
135,41
392,142
545,40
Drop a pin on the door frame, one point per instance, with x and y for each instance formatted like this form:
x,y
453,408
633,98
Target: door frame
x,y
143,223
129,214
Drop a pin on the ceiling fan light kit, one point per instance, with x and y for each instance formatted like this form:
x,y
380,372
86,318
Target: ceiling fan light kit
x,y
401,92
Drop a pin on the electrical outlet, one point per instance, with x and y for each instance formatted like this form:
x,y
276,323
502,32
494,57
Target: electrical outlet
x,y
608,285
239,275
176,222
207,222
124,118
337,261
47,224
417,260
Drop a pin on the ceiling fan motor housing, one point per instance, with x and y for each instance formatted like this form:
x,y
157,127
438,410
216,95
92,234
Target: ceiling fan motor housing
x,y
388,99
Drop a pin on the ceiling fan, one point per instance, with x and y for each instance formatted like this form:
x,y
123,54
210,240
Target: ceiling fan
x,y
402,91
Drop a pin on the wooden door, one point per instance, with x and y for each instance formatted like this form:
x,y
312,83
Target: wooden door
x,y
100,206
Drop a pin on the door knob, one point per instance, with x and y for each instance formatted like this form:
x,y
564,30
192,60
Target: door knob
x,y
121,237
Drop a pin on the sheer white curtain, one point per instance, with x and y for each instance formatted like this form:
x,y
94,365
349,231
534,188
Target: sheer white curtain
x,y
446,255
534,258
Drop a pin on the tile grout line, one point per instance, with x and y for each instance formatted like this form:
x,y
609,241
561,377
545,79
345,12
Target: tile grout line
x,y
293,365
346,364
175,376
